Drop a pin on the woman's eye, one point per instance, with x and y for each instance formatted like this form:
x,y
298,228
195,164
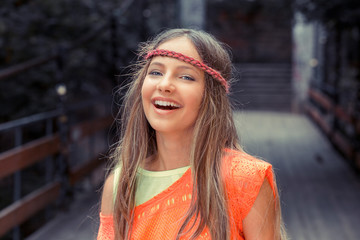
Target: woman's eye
x,y
155,73
188,78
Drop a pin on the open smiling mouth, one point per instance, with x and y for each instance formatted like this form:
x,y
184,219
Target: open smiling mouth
x,y
163,105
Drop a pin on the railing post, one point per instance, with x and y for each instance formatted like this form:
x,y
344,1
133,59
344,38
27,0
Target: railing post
x,y
17,181
49,166
63,165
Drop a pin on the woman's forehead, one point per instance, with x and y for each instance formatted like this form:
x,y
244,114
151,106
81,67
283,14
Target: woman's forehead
x,y
181,45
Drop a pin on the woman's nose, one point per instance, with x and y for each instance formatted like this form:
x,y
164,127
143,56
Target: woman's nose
x,y
166,85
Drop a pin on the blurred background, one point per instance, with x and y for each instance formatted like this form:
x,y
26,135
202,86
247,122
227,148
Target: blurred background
x,y
296,101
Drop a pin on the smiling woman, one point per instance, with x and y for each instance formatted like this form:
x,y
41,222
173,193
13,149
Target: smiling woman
x,y
170,82
179,171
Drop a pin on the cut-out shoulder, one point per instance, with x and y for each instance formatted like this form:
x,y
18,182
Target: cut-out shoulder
x,y
262,222
107,196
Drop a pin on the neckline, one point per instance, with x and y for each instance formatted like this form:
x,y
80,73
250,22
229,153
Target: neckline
x,y
165,192
164,173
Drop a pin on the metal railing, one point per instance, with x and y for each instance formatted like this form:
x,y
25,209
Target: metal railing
x,y
53,149
329,115
54,145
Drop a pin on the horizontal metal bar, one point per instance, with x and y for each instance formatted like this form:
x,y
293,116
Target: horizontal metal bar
x,y
51,114
23,156
28,120
16,69
23,209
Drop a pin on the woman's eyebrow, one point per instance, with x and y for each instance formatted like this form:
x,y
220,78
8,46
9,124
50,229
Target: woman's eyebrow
x,y
194,69
157,63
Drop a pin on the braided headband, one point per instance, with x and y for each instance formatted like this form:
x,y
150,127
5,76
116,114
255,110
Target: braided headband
x,y
167,53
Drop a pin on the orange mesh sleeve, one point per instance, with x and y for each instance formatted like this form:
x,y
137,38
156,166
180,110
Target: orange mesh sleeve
x,y
106,228
260,171
244,177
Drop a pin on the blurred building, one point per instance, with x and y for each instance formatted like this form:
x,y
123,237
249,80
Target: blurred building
x,y
259,36
326,70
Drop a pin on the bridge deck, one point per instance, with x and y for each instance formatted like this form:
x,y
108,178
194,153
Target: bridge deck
x,y
320,192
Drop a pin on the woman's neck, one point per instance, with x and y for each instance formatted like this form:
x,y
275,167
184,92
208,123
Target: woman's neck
x,y
173,151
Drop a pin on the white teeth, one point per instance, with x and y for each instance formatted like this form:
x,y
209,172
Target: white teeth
x,y
165,103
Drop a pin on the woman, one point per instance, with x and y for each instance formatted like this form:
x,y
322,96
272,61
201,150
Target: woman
x,y
179,170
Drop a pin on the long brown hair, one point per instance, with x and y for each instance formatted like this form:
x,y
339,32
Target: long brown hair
x,y
214,130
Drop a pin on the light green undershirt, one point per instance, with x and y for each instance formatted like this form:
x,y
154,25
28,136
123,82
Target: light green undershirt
x,y
151,183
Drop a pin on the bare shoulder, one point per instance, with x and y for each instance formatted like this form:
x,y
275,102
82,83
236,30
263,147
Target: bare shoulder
x,y
107,196
263,220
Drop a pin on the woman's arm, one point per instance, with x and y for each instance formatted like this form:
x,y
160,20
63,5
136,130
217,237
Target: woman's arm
x,y
263,220
107,205
106,228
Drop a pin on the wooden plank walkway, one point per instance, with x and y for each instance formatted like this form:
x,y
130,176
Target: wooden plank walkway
x,y
320,192
79,222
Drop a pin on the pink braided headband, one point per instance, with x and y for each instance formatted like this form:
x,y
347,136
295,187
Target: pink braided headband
x,y
167,53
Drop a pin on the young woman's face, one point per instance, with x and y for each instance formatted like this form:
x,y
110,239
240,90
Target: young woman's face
x,y
172,90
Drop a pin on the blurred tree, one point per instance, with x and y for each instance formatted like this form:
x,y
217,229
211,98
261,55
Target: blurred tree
x,y
337,74
331,12
338,17
30,29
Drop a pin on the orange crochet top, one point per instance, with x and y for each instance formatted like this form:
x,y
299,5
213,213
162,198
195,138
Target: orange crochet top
x,y
161,216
